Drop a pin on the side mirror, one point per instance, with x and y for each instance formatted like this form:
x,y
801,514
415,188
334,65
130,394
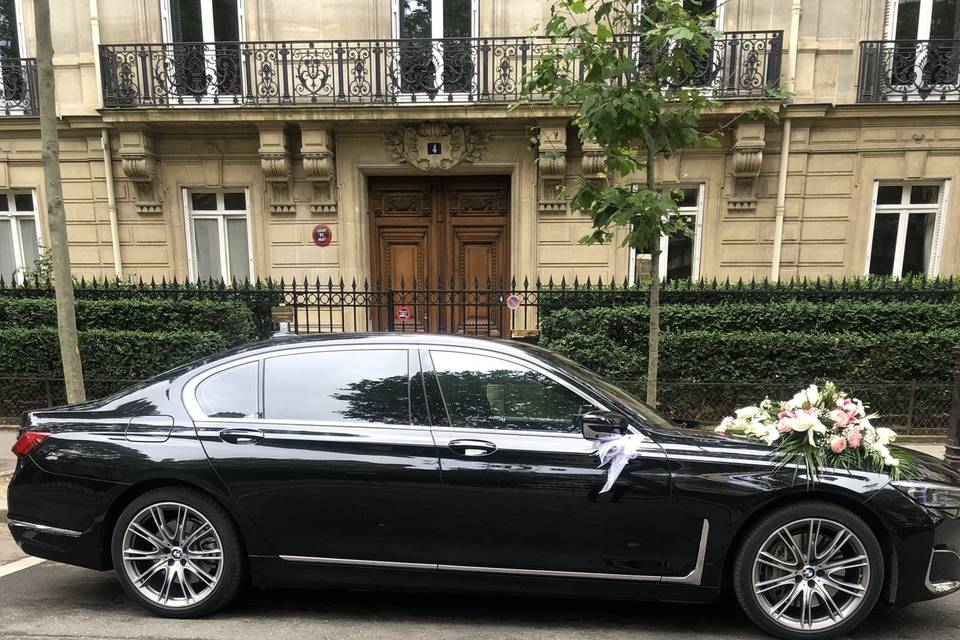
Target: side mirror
x,y
596,425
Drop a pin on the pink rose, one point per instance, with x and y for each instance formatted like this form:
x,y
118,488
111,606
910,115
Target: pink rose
x,y
855,437
786,414
783,427
838,444
840,418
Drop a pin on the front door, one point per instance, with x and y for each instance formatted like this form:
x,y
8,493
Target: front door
x,y
520,484
440,246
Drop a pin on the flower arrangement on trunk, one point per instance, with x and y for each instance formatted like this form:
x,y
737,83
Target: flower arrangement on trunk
x,y
823,427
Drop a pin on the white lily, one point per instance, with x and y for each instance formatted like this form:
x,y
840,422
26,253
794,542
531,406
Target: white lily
x,y
885,436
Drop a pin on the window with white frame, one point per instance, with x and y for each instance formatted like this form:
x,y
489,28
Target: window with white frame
x,y
218,234
679,253
19,234
905,229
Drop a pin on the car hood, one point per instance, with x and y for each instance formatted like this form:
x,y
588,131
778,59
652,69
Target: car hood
x,y
922,466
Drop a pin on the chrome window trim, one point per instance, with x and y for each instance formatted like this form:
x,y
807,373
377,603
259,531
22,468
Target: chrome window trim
x,y
694,578
43,528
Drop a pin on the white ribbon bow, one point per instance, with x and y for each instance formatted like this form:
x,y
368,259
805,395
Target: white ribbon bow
x,y
618,451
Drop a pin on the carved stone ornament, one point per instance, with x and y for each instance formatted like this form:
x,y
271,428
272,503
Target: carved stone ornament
x,y
436,145
593,160
552,163
747,158
141,167
276,167
318,168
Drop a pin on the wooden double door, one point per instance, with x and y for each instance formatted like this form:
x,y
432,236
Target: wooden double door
x,y
441,246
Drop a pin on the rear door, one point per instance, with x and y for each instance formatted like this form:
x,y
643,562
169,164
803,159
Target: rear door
x,y
320,447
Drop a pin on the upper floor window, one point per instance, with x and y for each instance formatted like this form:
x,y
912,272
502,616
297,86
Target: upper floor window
x,y
218,235
11,28
19,234
905,235
426,65
206,58
925,19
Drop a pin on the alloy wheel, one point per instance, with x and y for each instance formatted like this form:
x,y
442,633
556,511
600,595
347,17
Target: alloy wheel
x,y
172,555
811,574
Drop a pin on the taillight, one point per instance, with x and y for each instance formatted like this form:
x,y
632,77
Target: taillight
x,y
28,442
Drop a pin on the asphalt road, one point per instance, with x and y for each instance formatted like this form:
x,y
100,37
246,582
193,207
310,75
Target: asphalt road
x,y
55,601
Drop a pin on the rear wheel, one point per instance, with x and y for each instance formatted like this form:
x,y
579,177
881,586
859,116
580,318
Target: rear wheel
x,y
177,553
809,570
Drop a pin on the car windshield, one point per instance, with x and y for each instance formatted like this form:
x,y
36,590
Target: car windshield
x,y
622,396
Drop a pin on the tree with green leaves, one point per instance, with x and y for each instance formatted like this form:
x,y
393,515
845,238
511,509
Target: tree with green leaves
x,y
631,76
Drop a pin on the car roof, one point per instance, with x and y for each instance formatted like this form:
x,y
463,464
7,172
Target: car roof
x,y
282,341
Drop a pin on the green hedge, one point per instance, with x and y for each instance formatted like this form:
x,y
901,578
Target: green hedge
x,y
125,355
231,319
769,356
628,324
553,295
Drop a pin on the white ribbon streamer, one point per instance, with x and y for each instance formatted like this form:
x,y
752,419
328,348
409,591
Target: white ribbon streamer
x,y
617,452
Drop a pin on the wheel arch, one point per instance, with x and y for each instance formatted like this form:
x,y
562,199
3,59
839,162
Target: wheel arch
x,y
851,502
136,490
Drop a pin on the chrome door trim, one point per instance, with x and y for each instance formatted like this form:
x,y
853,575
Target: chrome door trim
x,y
693,578
388,564
548,573
43,528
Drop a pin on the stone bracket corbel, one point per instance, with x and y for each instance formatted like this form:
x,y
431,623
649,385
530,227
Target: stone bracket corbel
x,y
747,158
552,166
277,169
318,167
141,167
593,160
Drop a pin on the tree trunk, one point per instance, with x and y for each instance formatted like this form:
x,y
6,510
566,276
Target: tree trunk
x,y
56,215
653,344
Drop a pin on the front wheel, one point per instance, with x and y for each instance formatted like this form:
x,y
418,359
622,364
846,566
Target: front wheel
x,y
177,553
811,570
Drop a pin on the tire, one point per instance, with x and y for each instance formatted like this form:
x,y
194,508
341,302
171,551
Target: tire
x,y
784,574
191,567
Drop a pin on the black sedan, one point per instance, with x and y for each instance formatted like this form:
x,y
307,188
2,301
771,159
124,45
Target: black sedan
x,y
450,463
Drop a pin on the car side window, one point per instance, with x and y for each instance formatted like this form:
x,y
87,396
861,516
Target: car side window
x,y
338,386
484,392
232,393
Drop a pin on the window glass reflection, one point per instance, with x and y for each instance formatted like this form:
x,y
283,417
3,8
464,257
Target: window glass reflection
x,y
483,392
337,386
231,393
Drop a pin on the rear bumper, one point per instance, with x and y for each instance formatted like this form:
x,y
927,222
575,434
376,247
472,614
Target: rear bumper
x,y
59,517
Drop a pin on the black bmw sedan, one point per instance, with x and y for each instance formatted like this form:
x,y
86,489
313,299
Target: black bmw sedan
x,y
430,462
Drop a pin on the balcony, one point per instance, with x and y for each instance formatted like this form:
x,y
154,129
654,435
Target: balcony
x,y
384,72
18,87
909,71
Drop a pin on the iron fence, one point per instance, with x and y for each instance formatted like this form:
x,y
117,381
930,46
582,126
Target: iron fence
x,y
909,70
911,408
18,87
378,72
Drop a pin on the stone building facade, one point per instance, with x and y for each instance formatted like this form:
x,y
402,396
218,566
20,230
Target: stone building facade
x,y
372,139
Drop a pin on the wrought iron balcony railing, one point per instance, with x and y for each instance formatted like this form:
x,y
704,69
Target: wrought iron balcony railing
x,y
909,71
384,72
18,87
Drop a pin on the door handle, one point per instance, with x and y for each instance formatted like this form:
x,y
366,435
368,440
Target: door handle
x,y
241,436
472,448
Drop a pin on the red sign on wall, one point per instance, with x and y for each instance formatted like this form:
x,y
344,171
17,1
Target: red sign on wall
x,y
322,235
403,314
